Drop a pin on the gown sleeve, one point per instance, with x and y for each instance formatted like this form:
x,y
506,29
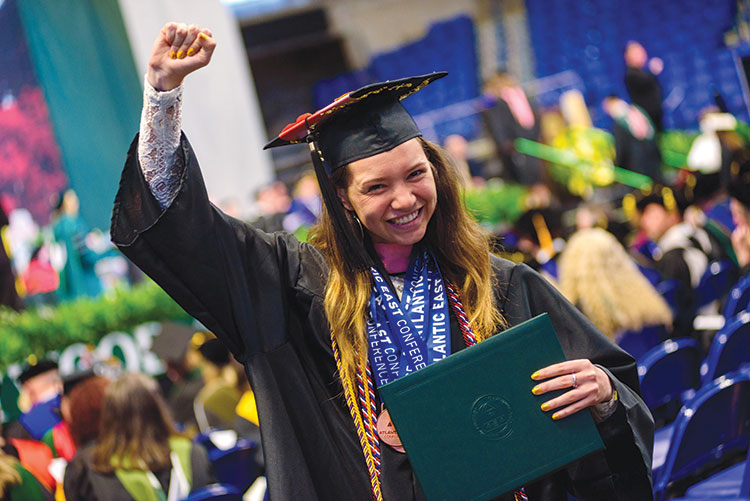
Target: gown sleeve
x,y
234,279
624,471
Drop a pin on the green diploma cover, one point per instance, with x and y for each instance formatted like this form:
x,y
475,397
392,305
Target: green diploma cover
x,y
471,426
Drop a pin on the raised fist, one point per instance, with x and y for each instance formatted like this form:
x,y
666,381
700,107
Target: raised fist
x,y
178,50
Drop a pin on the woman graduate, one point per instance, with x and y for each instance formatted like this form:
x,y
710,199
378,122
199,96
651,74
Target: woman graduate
x,y
297,314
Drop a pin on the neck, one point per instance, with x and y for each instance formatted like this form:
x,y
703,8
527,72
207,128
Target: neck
x,y
395,257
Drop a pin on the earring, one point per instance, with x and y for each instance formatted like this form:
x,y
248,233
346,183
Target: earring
x,y
359,223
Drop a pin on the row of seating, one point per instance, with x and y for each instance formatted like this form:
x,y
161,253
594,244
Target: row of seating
x,y
711,431
588,37
449,45
708,399
715,284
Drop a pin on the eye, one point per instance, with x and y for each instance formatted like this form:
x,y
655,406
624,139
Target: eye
x,y
416,173
374,187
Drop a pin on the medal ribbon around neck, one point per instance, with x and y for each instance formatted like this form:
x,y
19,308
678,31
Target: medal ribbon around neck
x,y
408,334
360,399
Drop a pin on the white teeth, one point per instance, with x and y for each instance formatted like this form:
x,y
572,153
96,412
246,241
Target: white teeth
x,y
406,219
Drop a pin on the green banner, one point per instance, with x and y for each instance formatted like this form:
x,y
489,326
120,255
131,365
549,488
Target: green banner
x,y
82,59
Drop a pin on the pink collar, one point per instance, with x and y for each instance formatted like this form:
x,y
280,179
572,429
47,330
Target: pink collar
x,y
395,257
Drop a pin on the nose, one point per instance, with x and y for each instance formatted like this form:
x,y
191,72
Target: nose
x,y
403,198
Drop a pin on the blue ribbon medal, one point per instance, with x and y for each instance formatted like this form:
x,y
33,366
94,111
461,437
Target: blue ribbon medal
x,y
408,334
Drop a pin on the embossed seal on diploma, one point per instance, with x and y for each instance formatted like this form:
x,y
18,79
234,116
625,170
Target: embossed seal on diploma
x,y
492,416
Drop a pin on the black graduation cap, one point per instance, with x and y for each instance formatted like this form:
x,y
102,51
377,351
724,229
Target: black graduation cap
x,y
670,199
357,125
34,369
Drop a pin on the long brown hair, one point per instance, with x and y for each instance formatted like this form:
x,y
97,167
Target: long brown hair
x,y
460,246
135,427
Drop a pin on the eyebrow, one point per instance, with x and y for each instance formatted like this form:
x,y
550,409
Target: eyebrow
x,y
422,164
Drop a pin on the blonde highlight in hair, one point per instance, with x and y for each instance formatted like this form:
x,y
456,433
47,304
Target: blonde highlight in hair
x,y
9,475
598,276
461,249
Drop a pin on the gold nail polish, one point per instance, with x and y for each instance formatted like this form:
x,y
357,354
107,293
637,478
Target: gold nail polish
x,y
555,416
181,54
173,55
203,36
536,390
535,375
545,406
191,51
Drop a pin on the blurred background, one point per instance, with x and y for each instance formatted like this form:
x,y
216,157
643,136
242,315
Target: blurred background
x,y
603,142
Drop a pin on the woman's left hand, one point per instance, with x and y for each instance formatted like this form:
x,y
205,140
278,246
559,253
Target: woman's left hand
x,y
587,385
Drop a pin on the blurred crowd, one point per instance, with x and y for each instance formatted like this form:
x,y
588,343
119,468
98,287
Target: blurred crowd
x,y
77,436
629,240
60,262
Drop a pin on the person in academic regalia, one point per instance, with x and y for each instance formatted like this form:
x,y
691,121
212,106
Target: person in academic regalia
x,y
296,314
641,82
78,276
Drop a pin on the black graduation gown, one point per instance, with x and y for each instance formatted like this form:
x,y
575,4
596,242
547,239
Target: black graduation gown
x,y
262,294
644,90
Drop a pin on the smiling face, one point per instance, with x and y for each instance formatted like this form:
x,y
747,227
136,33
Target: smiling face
x,y
393,193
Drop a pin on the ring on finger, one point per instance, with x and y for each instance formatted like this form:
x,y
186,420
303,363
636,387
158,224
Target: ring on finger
x,y
575,381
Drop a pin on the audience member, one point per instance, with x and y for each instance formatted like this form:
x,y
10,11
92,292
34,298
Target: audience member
x,y
641,82
683,250
597,275
40,279
512,117
138,454
77,277
39,400
306,205
177,345
635,138
272,202
215,404
82,409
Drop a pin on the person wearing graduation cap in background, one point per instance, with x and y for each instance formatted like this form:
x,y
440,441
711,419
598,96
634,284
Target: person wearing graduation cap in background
x,y
297,314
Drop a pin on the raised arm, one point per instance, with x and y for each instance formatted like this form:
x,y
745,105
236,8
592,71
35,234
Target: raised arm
x,y
178,50
234,279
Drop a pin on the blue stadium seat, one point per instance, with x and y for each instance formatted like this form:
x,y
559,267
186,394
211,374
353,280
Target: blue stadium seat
x,y
668,290
215,492
236,466
713,426
729,483
638,343
715,282
729,350
738,299
666,373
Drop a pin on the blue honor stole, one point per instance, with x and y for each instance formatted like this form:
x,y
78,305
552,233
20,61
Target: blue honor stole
x,y
411,333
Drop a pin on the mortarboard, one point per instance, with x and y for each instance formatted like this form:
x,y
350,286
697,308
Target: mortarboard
x,y
357,125
34,369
